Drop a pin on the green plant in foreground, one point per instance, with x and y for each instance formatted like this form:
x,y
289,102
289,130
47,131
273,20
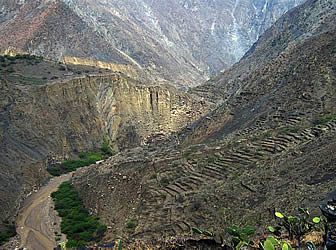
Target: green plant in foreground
x,y
204,232
299,225
119,244
271,244
241,236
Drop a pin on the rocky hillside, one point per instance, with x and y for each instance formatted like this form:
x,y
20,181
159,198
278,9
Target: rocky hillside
x,y
299,24
273,63
55,116
270,145
184,42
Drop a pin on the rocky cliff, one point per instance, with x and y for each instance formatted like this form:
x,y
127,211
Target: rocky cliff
x,y
184,42
56,119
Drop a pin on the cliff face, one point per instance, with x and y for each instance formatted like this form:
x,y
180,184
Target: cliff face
x,y
60,118
184,42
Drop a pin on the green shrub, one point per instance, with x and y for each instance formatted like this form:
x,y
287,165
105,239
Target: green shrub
x,y
131,224
10,70
11,58
86,159
106,149
164,181
77,224
7,234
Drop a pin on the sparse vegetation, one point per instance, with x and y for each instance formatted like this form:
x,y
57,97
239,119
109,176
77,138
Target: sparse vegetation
x,y
164,181
61,67
106,149
297,226
77,224
86,159
131,223
241,237
7,232
324,119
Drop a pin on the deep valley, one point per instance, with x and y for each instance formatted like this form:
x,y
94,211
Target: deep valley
x,y
189,132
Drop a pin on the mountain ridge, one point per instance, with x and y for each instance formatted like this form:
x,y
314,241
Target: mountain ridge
x,y
172,41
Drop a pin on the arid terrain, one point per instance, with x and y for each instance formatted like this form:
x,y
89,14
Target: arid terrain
x,y
37,221
259,137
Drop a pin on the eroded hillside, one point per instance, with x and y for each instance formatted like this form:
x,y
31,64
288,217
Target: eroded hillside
x,y
47,117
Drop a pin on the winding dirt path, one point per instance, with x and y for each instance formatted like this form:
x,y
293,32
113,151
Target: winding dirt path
x,y
35,222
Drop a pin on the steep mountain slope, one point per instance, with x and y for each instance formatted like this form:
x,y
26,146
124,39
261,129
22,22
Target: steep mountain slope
x,y
39,28
269,146
184,42
300,23
46,119
252,87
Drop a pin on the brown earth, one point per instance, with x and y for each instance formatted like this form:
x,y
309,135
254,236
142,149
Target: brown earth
x,y
37,218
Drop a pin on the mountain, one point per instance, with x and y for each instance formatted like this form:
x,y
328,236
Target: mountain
x,y
268,145
298,24
258,137
184,42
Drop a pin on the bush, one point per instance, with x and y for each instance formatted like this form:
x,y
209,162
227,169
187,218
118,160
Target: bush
x,y
77,224
106,149
11,58
131,224
7,234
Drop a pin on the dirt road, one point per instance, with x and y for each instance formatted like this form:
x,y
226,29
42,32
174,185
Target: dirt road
x,y
37,220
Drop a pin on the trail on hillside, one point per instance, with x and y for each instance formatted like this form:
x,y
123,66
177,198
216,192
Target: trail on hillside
x,y
35,225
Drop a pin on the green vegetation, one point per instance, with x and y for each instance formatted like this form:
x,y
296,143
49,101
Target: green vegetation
x,y
86,159
68,166
324,119
241,236
131,223
203,232
77,224
164,181
7,232
106,149
297,226
272,243
20,57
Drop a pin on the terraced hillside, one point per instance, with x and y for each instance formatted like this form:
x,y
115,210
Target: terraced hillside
x,y
270,145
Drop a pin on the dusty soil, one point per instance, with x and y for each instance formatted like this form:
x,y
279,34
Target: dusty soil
x,y
37,221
